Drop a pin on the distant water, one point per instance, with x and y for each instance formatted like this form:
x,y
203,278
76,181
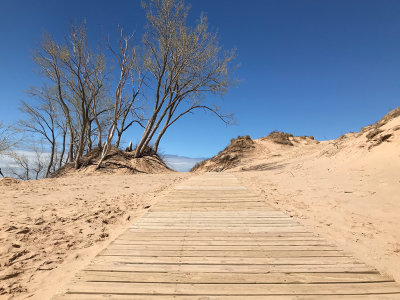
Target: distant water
x,y
181,163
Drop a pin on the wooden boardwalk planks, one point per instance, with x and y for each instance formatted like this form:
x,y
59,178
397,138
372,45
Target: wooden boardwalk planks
x,y
212,239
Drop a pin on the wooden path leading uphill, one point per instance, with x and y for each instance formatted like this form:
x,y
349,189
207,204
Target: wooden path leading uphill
x,y
212,239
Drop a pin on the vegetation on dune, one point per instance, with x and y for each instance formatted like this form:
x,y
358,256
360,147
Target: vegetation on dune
x,y
227,158
375,134
280,138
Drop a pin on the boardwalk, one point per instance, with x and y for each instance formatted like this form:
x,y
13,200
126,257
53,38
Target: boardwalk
x,y
212,239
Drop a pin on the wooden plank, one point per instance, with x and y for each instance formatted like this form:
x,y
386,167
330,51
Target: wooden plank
x,y
128,245
224,243
220,222
227,253
232,229
230,277
381,296
342,268
327,260
247,237
233,289
215,233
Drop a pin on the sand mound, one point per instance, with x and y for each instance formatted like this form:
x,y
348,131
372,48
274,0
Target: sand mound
x,y
347,188
227,158
243,153
7,181
278,149
117,162
383,130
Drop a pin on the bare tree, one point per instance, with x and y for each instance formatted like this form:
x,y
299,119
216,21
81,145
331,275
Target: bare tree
x,y
7,138
41,119
123,104
85,80
49,58
22,169
29,165
185,64
79,75
125,124
181,65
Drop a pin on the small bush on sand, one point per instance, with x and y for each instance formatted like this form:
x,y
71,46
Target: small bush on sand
x,y
282,138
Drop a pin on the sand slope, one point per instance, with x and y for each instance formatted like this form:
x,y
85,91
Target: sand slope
x,y
348,189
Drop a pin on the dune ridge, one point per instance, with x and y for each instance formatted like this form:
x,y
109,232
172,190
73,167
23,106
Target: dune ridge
x,y
346,189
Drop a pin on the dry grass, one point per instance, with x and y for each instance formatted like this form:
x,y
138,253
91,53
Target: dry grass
x,y
198,165
373,133
282,138
227,158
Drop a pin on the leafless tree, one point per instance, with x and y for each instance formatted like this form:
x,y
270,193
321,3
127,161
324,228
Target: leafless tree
x,y
29,165
85,80
49,58
124,101
22,170
41,119
185,64
125,123
78,74
7,138
180,63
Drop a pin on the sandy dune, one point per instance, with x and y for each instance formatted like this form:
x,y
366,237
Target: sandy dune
x,y
51,227
347,189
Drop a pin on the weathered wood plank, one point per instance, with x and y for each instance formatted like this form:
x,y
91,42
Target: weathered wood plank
x,y
224,243
128,245
233,289
226,260
225,253
379,296
224,268
246,237
231,277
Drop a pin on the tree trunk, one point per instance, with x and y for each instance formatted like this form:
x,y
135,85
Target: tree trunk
x,y
63,149
88,137
156,144
117,142
149,133
53,144
80,145
166,125
71,146
106,146
140,146
99,132
155,128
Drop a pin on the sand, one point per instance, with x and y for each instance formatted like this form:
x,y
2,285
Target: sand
x,y
346,190
51,228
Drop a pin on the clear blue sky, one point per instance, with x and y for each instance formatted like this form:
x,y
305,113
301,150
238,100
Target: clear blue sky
x,y
318,67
